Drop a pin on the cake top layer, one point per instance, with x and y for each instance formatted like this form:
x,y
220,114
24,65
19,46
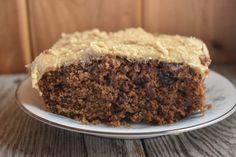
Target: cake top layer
x,y
133,43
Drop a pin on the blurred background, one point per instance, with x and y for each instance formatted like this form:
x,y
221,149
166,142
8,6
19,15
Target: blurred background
x,y
27,27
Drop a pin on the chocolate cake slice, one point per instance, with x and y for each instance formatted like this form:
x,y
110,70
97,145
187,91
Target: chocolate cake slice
x,y
121,77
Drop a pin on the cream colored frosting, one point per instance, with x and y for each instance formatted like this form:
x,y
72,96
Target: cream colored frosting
x,y
134,43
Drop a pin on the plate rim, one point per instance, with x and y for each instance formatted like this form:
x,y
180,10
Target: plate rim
x,y
156,133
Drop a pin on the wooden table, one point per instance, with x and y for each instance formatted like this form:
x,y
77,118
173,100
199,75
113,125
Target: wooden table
x,y
21,135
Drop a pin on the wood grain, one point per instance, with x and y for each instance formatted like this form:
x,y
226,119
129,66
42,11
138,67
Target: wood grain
x,y
11,51
29,26
24,30
215,141
48,19
22,136
104,147
210,21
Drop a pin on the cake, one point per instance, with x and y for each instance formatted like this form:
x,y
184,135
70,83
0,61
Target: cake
x,y
123,77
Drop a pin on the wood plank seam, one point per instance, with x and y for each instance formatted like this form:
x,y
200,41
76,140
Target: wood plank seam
x,y
24,30
85,146
142,3
144,148
141,13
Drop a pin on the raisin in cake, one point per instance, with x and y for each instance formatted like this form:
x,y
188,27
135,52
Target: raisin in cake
x,y
125,76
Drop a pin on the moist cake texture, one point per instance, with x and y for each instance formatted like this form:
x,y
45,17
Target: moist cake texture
x,y
126,76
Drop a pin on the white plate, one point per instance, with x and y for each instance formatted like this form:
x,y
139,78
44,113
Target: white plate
x,y
220,93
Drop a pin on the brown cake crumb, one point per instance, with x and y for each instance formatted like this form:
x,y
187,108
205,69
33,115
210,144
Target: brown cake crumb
x,y
115,91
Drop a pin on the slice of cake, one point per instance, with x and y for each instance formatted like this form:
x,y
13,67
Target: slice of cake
x,y
125,76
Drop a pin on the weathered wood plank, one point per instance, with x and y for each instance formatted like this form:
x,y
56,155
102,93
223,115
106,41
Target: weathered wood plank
x,y
13,56
208,20
21,135
48,19
216,140
105,147
210,141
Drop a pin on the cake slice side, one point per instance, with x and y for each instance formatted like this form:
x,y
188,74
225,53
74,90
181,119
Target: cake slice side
x,y
114,90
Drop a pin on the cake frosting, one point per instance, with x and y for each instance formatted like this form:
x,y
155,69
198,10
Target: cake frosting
x,y
133,43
